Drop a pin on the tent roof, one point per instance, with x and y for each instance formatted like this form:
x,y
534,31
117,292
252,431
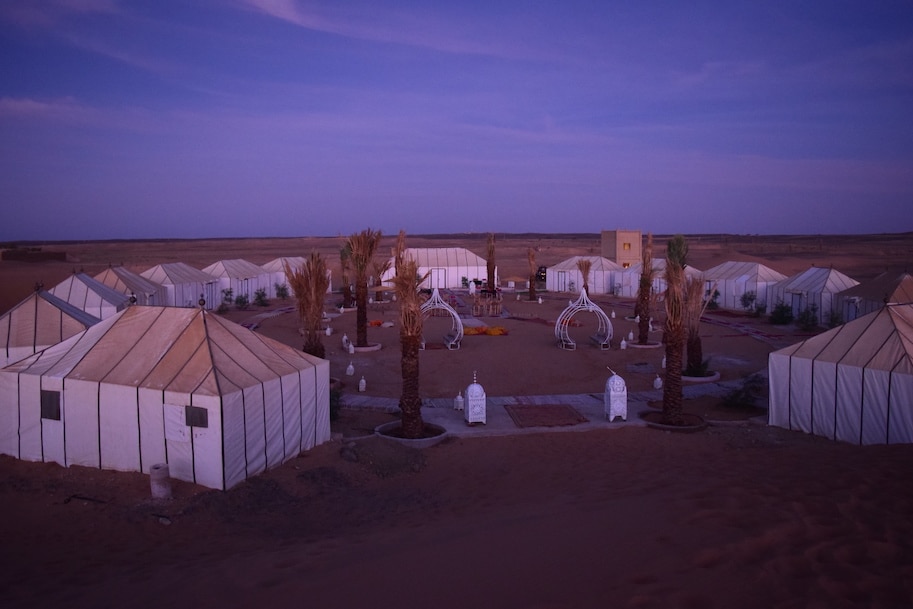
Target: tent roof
x,y
277,265
173,273
882,340
42,319
443,257
600,264
817,279
64,290
890,286
168,349
237,268
124,280
734,270
659,266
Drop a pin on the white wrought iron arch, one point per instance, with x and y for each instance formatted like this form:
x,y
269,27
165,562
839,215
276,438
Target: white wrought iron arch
x,y
453,339
603,335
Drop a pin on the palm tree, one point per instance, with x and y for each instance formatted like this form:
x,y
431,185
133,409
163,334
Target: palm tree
x,y
406,286
643,307
310,283
695,305
490,262
674,329
379,267
533,269
345,261
362,247
584,265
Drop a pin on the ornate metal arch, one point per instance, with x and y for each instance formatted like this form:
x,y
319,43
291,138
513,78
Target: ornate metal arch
x,y
453,339
603,335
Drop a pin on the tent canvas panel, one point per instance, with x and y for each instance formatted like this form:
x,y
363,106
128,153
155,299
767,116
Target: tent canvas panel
x,y
152,427
900,429
118,425
848,413
233,438
254,430
875,384
290,388
81,418
824,381
30,437
9,414
206,443
275,428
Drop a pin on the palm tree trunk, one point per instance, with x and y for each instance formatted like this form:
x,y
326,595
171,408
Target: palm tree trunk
x,y
361,313
410,403
673,406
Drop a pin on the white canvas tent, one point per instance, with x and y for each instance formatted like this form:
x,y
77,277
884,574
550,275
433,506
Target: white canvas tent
x,y
132,284
275,269
629,283
445,267
566,277
853,383
215,401
734,279
90,295
239,276
36,323
815,286
890,286
184,285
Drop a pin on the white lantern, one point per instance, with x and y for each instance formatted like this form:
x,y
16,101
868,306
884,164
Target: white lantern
x,y
458,401
657,382
623,345
475,410
615,398
351,348
362,385
350,370
329,330
630,335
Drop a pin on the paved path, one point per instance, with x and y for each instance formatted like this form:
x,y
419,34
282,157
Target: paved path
x,y
439,411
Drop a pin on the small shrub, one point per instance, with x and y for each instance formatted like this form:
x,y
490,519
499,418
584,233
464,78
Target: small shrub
x,y
223,308
242,301
699,371
281,291
834,319
747,395
782,314
228,296
260,298
748,301
808,319
713,304
759,309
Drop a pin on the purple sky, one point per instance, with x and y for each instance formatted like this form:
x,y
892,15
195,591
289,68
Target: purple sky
x,y
289,118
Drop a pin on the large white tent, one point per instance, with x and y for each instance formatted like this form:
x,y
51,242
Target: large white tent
x,y
445,267
853,383
36,323
733,279
816,286
275,269
90,295
239,276
629,283
566,276
868,296
184,285
215,401
132,284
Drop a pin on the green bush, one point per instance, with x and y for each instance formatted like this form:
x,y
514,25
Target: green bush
x,y
747,395
782,314
260,298
242,301
281,291
808,319
713,304
748,301
834,319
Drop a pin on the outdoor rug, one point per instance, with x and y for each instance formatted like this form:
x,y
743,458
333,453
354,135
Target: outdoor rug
x,y
544,415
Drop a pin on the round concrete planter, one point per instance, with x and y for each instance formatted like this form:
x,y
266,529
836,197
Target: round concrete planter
x,y
386,431
711,378
369,348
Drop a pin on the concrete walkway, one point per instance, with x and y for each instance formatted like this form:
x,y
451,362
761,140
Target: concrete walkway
x,y
439,411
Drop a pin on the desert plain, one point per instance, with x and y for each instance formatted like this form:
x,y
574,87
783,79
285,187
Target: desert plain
x,y
737,515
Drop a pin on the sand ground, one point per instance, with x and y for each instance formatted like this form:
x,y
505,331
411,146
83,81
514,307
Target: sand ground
x,y
738,515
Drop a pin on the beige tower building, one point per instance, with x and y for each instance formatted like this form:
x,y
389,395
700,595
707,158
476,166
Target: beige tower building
x,y
622,246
